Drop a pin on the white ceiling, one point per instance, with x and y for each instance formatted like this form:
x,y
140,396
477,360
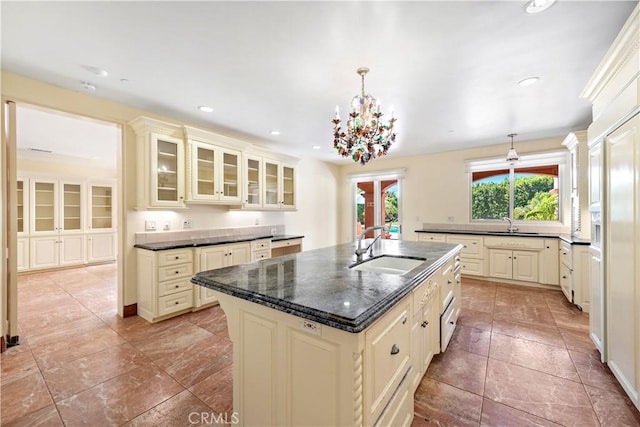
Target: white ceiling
x,y
449,69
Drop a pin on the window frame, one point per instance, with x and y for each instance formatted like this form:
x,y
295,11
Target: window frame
x,y
559,158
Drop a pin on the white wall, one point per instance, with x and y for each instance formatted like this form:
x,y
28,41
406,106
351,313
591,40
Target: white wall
x,y
436,186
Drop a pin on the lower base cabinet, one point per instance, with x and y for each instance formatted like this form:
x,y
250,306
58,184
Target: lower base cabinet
x,y
22,257
512,264
101,247
56,251
289,371
211,257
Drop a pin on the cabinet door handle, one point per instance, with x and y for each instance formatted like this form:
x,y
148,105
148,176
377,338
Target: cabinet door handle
x,y
404,320
395,349
564,277
424,324
452,322
449,281
515,258
474,243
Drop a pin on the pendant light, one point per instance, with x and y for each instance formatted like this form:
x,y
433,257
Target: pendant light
x,y
512,156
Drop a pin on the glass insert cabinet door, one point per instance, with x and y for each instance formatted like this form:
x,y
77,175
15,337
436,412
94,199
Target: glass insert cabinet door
x,y
44,206
205,171
71,207
168,180
288,186
21,209
101,215
271,184
230,175
253,171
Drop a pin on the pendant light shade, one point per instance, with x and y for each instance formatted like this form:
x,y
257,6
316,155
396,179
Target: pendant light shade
x,y
512,155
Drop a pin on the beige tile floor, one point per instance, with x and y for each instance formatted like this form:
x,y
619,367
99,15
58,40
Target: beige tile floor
x,y
519,357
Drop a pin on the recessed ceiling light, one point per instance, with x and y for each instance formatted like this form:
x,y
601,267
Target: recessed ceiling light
x,y
97,71
205,109
529,81
537,6
316,147
274,132
87,86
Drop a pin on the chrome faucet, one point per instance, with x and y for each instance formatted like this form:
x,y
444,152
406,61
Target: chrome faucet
x,y
512,228
360,251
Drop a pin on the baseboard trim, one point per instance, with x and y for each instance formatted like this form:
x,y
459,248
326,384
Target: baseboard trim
x,y
130,310
3,345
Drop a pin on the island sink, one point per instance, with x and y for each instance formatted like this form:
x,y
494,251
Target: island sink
x,y
388,264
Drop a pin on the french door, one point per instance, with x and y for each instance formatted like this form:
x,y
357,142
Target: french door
x,y
377,202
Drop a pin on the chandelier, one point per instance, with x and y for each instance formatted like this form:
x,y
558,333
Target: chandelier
x,y
512,156
366,136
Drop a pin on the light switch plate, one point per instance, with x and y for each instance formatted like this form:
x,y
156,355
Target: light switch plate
x,y
150,225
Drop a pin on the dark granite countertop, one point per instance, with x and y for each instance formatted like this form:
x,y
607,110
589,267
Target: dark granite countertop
x,y
319,285
566,237
211,241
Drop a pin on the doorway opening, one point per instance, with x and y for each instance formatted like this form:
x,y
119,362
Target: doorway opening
x,y
378,202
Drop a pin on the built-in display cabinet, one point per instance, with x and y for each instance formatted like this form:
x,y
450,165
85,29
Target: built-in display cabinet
x,y
183,164
57,219
614,256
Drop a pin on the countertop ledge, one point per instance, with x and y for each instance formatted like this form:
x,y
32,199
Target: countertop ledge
x,y
211,241
566,237
318,285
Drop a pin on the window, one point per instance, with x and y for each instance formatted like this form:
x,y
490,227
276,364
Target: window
x,y
526,191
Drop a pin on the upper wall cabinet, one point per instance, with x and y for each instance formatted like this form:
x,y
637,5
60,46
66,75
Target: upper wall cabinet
x,y
101,212
22,200
56,206
214,168
160,150
279,185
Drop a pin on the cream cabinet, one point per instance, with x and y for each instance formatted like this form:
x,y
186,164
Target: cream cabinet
x,y
212,257
549,263
22,200
101,206
55,251
101,247
472,253
279,185
425,329
161,172
614,137
214,168
574,274
432,237
164,283
260,249
253,181
286,247
596,308
22,255
513,264
56,206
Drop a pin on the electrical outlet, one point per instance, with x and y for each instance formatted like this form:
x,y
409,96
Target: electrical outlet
x,y
150,226
186,223
257,221
450,219
167,226
274,231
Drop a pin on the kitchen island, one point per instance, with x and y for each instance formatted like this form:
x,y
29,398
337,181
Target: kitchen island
x,y
317,342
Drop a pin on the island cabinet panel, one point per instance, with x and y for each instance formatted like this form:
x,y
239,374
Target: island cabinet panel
x,y
387,357
425,332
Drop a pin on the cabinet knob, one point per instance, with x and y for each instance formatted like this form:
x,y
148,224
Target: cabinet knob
x,y
177,257
515,258
465,246
177,286
449,281
395,349
404,320
424,324
177,302
474,243
564,277
177,272
452,322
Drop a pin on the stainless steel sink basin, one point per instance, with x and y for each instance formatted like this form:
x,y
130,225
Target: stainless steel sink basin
x,y
389,264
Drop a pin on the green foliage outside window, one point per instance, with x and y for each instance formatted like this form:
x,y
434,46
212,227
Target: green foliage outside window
x,y
534,199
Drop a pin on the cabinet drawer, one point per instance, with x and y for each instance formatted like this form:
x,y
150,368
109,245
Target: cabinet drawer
x,y
472,266
175,302
448,323
472,246
432,237
175,272
566,282
447,285
178,256
388,356
399,412
264,254
167,288
257,245
565,254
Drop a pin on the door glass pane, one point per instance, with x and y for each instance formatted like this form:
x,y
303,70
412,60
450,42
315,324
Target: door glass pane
x,y
253,181
167,171
230,169
389,201
20,191
490,194
101,208
288,186
378,203
271,183
44,208
71,207
206,180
